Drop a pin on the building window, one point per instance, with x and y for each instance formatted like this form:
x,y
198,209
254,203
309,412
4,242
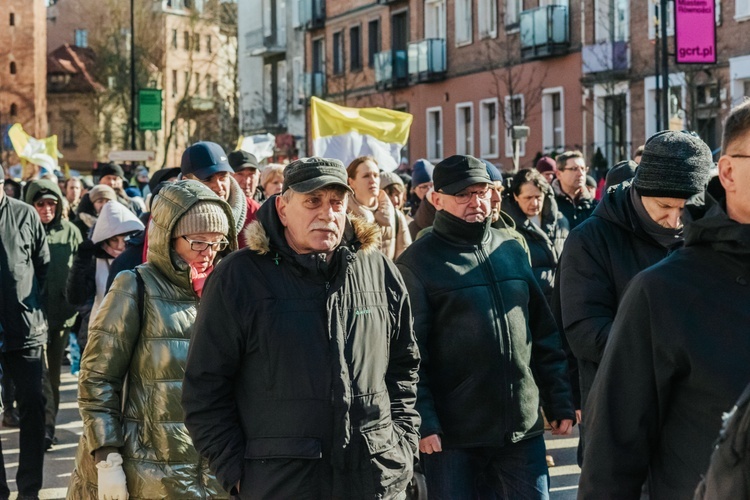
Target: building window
x,y
187,82
68,132
338,53
514,115
746,88
82,38
553,121
298,83
12,68
513,9
196,42
174,39
489,146
12,19
318,55
373,41
741,9
186,40
209,86
463,22
175,85
355,48
14,109
269,90
612,20
487,18
434,19
197,79
615,128
435,134
465,129
209,46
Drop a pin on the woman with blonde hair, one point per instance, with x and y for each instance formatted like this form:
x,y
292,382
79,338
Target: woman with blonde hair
x,y
272,179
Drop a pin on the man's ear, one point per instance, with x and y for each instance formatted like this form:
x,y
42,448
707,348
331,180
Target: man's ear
x,y
726,173
281,209
437,201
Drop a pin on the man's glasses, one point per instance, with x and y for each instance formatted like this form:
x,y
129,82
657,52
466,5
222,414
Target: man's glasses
x,y
464,197
573,169
202,246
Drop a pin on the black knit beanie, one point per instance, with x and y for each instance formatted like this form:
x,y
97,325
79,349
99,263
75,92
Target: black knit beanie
x,y
673,165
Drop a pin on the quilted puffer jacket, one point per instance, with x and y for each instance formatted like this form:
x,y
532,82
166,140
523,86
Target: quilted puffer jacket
x,y
130,382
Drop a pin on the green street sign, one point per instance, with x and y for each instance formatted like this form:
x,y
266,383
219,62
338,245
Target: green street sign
x,y
149,109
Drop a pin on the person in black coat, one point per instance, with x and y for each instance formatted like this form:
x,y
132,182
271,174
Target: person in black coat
x,y
632,228
678,355
489,344
302,370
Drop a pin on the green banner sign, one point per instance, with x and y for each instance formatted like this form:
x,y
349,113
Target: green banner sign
x,y
149,109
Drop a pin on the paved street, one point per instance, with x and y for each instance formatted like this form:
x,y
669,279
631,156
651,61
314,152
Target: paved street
x,y
59,461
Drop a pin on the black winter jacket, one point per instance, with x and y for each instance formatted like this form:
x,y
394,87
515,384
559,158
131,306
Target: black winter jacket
x,y
600,258
574,211
678,357
24,258
297,359
488,342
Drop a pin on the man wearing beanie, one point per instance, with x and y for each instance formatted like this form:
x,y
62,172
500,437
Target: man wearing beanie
x,y
547,167
490,348
301,376
679,351
421,185
632,228
112,175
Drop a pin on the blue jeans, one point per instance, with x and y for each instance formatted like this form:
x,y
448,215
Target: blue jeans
x,y
515,471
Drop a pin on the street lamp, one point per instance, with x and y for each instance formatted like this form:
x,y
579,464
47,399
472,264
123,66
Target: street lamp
x,y
132,74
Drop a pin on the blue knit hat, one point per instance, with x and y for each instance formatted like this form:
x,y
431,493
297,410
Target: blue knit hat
x,y
492,171
421,172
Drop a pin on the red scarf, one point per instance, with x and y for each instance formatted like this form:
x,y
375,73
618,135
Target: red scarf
x,y
199,279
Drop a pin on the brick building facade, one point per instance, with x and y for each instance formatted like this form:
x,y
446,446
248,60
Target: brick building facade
x,y
579,74
23,70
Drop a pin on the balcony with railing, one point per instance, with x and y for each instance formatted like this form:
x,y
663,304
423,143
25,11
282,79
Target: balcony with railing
x,y
312,13
427,60
315,84
606,57
545,32
264,42
391,69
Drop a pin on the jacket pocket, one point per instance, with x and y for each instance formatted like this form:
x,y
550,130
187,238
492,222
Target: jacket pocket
x,y
283,447
390,458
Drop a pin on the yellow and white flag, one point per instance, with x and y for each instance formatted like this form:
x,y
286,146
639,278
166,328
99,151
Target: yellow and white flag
x,y
347,133
42,152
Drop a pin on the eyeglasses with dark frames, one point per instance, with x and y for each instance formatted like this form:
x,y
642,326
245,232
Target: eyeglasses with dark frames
x,y
202,246
464,197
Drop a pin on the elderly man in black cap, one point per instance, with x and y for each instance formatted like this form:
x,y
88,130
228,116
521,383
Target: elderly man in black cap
x,y
678,355
301,375
489,345
247,175
632,228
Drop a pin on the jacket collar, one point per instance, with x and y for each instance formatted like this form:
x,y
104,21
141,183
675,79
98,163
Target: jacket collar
x,y
458,231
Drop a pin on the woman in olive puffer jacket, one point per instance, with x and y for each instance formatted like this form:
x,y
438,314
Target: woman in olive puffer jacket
x,y
130,383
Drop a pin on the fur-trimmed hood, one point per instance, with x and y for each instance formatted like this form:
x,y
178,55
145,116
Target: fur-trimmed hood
x,y
267,232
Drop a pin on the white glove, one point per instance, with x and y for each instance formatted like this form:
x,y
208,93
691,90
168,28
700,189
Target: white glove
x,y
112,484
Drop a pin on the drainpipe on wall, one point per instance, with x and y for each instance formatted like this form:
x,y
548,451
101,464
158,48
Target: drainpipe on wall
x,y
585,91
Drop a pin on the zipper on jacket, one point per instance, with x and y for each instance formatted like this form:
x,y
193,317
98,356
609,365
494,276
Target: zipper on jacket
x,y
500,314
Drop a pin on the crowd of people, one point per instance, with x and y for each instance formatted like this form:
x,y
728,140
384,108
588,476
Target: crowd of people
x,y
321,330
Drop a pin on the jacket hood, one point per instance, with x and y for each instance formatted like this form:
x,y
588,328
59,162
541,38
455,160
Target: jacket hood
x,y
115,219
616,207
172,202
267,232
46,185
707,223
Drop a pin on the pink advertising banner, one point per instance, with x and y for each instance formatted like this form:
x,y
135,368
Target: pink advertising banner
x,y
695,31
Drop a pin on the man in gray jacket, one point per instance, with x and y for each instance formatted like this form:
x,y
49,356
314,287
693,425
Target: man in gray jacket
x,y
24,256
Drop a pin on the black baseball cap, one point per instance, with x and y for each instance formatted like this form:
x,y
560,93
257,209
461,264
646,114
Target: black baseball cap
x,y
239,160
456,173
308,174
204,159
110,169
162,175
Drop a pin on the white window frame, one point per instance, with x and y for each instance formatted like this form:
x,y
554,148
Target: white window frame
x,y
461,128
512,15
487,18
281,91
602,12
652,18
508,138
432,140
741,10
489,140
739,73
435,18
548,131
602,91
649,102
463,18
